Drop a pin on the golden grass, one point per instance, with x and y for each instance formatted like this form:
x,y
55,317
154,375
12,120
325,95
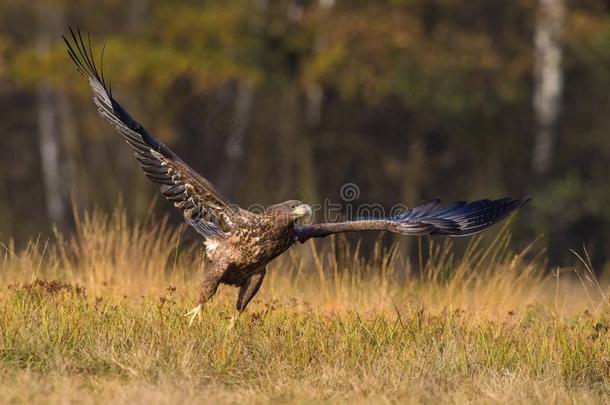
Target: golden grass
x,y
327,326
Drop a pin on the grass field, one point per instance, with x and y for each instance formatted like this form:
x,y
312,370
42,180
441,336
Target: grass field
x,y
99,317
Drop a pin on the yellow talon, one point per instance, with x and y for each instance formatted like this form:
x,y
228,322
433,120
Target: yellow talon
x,y
194,313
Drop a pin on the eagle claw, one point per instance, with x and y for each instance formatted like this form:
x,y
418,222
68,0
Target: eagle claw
x,y
194,313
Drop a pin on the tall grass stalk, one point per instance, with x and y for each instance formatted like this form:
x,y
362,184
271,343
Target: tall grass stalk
x,y
97,316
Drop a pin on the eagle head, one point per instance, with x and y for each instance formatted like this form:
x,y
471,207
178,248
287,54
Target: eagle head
x,y
289,210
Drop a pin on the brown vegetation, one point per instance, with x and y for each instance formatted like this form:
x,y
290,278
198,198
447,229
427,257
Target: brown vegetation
x,y
488,325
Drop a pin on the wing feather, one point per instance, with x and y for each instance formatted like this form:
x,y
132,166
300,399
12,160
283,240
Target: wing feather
x,y
456,219
202,206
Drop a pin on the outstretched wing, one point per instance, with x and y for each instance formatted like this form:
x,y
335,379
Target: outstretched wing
x,y
457,219
202,205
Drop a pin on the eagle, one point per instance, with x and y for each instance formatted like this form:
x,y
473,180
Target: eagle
x,y
239,243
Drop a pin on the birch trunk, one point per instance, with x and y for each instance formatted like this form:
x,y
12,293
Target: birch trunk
x,y
548,80
50,19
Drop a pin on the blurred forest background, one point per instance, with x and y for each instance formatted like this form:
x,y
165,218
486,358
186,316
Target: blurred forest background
x,y
271,100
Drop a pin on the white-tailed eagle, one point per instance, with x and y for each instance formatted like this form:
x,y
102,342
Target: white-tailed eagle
x,y
240,243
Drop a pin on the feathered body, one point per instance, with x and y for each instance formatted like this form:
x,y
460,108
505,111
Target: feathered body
x,y
239,243
258,239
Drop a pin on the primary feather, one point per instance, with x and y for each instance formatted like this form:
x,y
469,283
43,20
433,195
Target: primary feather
x,y
203,207
431,218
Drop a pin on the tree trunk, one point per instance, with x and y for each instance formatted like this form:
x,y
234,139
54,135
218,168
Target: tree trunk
x,y
49,120
548,80
138,10
244,101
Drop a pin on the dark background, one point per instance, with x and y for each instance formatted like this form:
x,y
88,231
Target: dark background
x,y
273,100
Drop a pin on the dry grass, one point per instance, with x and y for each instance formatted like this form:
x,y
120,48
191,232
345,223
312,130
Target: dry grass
x,y
98,317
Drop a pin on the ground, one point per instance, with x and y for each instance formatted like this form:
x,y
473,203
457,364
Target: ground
x,y
99,317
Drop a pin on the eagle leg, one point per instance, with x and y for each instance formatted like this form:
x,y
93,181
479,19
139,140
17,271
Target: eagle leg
x,y
194,313
248,289
208,289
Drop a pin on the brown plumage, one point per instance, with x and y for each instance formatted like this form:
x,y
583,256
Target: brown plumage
x,y
239,243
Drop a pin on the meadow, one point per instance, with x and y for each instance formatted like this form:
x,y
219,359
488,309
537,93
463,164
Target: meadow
x,y
98,317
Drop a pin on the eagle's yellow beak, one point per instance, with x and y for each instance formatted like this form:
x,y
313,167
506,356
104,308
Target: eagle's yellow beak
x,y
302,211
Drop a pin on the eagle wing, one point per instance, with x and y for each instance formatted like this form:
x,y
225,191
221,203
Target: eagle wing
x,y
203,207
431,218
